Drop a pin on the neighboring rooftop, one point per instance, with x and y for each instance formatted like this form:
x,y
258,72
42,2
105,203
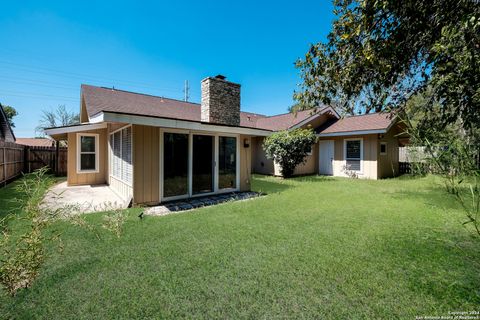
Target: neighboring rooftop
x,y
367,122
6,133
100,99
35,142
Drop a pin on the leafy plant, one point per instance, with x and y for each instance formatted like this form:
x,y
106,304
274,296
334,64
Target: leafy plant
x,y
114,220
21,260
289,148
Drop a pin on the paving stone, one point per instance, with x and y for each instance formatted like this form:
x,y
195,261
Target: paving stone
x,y
182,205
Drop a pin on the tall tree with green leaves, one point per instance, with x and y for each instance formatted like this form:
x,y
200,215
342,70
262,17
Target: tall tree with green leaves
x,y
380,53
10,112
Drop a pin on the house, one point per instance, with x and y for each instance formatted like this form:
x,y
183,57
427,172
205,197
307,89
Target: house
x,y
152,149
36,142
6,132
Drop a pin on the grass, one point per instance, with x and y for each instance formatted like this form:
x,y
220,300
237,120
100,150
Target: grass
x,y
314,247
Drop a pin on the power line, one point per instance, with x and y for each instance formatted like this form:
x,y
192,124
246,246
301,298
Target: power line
x,y
54,72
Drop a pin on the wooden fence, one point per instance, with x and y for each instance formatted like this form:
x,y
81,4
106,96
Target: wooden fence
x,y
16,159
11,161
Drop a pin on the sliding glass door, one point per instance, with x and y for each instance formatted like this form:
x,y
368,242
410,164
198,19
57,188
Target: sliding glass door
x,y
197,164
175,164
203,148
227,162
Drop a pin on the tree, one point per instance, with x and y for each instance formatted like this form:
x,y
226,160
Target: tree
x,y
380,53
57,118
289,148
10,112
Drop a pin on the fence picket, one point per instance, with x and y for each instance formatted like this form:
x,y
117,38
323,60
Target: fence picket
x,y
16,159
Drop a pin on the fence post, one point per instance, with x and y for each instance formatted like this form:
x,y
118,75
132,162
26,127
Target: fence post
x,y
57,160
25,159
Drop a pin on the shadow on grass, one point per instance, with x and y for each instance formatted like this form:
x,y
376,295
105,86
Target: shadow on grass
x,y
434,196
270,185
443,266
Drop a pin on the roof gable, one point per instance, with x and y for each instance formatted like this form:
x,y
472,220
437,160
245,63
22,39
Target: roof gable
x,y
6,132
361,123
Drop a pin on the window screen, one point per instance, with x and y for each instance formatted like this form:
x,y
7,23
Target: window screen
x,y
121,162
88,156
353,154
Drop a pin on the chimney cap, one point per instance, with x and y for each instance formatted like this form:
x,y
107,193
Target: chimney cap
x,y
221,77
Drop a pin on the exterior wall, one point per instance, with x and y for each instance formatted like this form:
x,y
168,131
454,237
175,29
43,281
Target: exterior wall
x,y
146,164
388,164
220,101
369,163
245,164
100,177
260,163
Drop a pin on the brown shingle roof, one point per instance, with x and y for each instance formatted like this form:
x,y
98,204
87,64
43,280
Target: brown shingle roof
x,y
35,142
98,99
373,121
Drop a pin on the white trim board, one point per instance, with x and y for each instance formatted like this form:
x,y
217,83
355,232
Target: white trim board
x,y
79,128
96,152
175,124
351,133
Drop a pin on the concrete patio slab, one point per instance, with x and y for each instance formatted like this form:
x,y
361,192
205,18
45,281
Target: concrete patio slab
x,y
89,198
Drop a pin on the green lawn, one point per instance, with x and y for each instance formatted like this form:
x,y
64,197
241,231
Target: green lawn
x,y
313,247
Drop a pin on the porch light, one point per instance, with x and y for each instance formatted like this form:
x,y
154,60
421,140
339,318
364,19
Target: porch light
x,y
246,143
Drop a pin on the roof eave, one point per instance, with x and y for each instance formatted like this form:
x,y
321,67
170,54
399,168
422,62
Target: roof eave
x,y
352,133
103,117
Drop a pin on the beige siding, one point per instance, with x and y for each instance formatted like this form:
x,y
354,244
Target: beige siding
x,y
369,163
121,188
83,112
100,177
245,164
388,164
309,167
260,163
146,165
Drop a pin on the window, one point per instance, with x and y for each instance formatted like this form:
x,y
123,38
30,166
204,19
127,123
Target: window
x,y
353,154
87,157
383,148
121,155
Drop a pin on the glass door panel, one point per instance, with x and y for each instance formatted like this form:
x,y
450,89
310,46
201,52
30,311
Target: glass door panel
x,y
175,164
203,164
227,162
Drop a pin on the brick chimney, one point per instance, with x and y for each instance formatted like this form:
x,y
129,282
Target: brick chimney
x,y
220,101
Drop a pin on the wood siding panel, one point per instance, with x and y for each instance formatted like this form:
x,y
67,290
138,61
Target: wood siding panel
x,y
388,164
74,178
260,163
146,164
245,164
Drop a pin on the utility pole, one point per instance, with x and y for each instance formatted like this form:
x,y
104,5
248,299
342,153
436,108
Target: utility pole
x,y
186,90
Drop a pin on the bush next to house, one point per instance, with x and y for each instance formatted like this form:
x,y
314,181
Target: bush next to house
x,y
289,148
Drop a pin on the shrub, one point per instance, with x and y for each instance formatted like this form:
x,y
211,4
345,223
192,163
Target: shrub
x,y
289,148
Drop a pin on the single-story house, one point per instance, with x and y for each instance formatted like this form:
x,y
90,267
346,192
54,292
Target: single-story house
x,y
152,149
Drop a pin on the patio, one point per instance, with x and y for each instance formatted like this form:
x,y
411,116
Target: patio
x,y
89,198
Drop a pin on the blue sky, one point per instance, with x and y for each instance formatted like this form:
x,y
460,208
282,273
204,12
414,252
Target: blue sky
x,y
50,47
